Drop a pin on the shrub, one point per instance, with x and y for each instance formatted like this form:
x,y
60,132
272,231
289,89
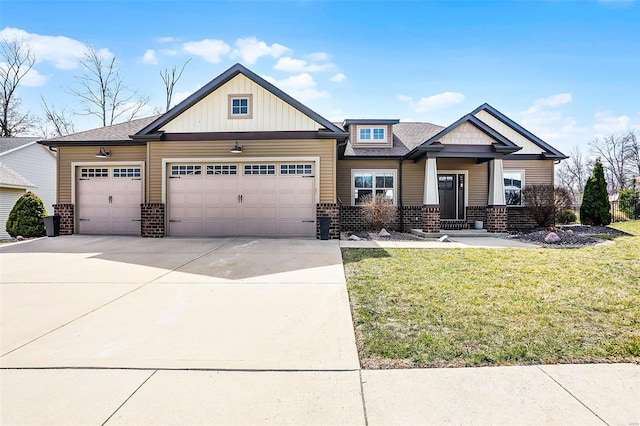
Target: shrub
x,y
595,208
378,211
566,216
26,217
540,201
629,202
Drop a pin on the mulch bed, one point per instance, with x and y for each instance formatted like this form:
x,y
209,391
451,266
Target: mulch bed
x,y
570,236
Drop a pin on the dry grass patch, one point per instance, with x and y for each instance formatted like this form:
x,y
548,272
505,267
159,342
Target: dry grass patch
x,y
470,307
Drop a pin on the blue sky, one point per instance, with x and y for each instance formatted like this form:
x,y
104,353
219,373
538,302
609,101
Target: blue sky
x,y
568,71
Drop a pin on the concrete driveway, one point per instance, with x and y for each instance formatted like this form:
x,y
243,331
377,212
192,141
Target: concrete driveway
x,y
118,330
87,321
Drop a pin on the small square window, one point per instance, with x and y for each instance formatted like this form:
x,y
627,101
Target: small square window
x,y
240,106
372,134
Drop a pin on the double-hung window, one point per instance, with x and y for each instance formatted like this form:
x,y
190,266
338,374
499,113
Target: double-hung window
x,y
365,183
513,185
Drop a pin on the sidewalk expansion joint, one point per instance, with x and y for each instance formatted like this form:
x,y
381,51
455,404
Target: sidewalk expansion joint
x,y
364,403
573,396
128,398
197,369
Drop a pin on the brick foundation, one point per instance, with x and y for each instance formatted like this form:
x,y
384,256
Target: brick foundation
x,y
430,218
519,218
152,215
66,213
496,219
333,211
476,213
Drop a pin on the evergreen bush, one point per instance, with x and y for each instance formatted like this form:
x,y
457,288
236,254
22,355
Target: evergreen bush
x,y
26,216
566,217
595,208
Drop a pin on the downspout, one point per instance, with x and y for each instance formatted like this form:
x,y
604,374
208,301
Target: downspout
x,y
400,211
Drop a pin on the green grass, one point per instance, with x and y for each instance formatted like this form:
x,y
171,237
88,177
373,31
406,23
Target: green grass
x,y
471,307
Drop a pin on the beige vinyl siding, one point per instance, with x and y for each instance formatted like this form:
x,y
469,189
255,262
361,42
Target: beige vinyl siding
x,y
269,112
467,134
323,148
412,183
344,174
528,147
536,172
68,155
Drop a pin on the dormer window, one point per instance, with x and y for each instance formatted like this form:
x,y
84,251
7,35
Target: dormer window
x,y
371,134
241,106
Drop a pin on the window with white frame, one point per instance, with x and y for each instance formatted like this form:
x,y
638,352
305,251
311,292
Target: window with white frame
x,y
186,169
222,169
513,185
240,106
372,134
94,173
366,183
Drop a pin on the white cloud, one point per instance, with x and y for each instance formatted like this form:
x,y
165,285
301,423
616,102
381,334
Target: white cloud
x,y
150,57
169,52
65,53
607,124
31,79
292,65
554,100
434,102
210,50
338,78
165,39
318,57
251,49
302,87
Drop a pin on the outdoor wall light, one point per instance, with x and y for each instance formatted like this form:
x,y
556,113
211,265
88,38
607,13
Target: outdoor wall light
x,y
103,153
237,149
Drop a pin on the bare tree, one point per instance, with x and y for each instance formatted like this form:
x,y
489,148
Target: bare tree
x,y
614,154
573,173
633,145
170,79
102,91
16,60
60,122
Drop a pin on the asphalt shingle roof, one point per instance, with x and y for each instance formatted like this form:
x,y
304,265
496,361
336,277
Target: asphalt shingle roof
x,y
115,132
9,177
7,144
406,136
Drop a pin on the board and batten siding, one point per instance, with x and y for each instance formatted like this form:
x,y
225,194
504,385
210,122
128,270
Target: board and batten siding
x,y
536,172
323,148
86,154
528,147
269,112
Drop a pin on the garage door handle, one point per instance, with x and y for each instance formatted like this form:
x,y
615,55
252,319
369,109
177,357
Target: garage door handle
x,y
84,220
173,220
240,198
110,199
136,220
308,221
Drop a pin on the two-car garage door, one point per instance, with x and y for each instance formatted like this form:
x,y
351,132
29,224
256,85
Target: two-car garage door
x,y
253,199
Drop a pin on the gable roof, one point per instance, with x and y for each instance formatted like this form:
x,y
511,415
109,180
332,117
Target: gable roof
x,y
552,152
9,178
10,144
115,133
219,81
433,143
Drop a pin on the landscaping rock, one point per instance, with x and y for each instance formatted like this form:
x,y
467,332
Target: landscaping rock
x,y
354,238
552,237
383,233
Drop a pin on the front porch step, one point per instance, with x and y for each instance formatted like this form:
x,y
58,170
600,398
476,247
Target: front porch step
x,y
459,233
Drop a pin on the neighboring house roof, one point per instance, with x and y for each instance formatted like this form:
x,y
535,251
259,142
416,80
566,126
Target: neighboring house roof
x,y
406,136
120,132
219,81
9,178
10,144
551,151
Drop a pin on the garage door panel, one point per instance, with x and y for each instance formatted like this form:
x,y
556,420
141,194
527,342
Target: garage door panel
x,y
251,205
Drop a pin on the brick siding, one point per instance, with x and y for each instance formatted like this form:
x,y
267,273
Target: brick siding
x,y
519,218
331,210
152,215
496,219
430,218
66,213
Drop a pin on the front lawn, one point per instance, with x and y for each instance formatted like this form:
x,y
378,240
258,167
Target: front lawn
x,y
470,307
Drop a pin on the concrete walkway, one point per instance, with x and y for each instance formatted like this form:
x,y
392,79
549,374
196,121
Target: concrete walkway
x,y
118,330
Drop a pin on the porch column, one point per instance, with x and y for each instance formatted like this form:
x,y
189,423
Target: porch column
x,y
431,200
496,203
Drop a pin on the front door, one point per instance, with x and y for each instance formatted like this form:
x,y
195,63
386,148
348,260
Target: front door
x,y
451,193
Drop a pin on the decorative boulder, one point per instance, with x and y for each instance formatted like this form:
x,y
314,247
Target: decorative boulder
x,y
551,238
354,238
383,233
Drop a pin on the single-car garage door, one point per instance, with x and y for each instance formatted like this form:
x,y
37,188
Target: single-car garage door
x,y
250,199
108,200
